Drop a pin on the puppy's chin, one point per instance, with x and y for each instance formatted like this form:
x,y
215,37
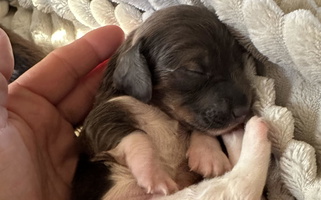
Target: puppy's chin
x,y
236,124
188,121
228,129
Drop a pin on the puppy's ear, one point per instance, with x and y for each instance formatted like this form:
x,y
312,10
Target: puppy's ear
x,y
132,74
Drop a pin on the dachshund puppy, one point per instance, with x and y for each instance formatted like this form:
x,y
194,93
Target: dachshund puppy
x,y
26,54
175,84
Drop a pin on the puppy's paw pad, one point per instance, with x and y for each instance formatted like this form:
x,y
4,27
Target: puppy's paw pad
x,y
208,164
157,182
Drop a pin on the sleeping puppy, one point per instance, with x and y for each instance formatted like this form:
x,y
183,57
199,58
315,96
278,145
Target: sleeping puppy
x,y
175,84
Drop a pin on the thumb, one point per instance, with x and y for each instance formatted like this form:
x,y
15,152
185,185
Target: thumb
x,y
6,56
6,68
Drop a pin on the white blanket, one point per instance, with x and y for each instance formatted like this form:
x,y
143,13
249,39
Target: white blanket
x,y
284,35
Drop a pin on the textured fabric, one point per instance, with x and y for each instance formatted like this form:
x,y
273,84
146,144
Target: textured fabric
x,y
283,35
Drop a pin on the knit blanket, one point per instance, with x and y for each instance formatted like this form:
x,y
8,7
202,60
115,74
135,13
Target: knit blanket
x,y
284,36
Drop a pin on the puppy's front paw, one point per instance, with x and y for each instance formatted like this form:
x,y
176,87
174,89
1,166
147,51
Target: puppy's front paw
x,y
206,157
208,163
156,181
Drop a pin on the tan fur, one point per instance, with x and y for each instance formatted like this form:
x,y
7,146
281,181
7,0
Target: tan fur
x,y
245,182
170,141
247,179
205,156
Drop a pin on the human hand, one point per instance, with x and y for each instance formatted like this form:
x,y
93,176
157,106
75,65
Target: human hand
x,y
38,112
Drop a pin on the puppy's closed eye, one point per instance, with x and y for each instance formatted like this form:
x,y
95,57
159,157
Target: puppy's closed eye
x,y
195,69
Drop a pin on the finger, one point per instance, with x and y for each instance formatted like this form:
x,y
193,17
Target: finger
x,y
3,100
57,74
6,56
78,103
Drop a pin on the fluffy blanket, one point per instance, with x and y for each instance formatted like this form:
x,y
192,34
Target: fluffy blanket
x,y
284,36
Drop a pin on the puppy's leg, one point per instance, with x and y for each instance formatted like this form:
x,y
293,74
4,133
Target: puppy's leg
x,y
233,144
137,152
112,127
206,157
247,178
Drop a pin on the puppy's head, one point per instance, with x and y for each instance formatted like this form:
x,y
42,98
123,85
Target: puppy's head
x,y
184,60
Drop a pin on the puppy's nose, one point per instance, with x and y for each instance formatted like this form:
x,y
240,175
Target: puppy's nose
x,y
241,111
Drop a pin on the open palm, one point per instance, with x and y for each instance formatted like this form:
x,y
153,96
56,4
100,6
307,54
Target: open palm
x,y
38,112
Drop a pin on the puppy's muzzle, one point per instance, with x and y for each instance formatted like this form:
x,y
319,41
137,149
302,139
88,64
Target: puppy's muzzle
x,y
229,110
219,118
241,111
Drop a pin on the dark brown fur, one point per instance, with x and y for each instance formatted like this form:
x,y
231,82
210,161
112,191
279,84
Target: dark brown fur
x,y
182,60
26,53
